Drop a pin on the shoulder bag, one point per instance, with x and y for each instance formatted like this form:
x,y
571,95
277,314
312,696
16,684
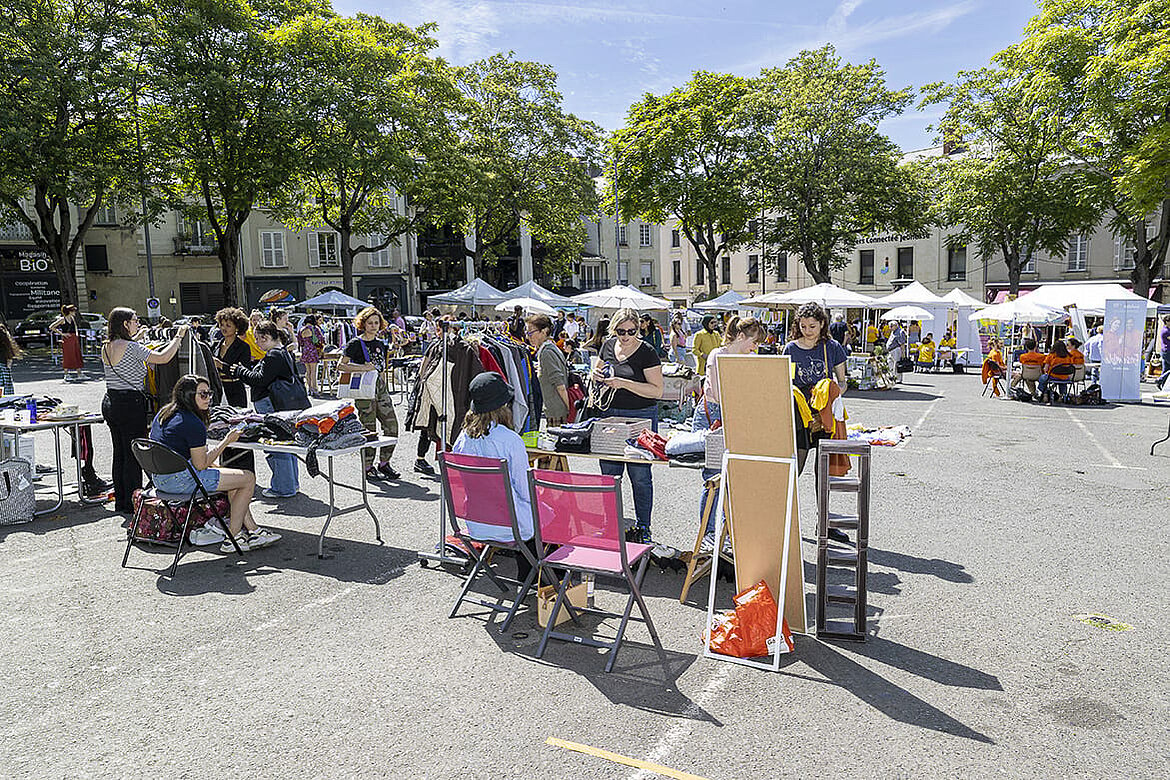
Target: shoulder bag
x,y
288,394
17,496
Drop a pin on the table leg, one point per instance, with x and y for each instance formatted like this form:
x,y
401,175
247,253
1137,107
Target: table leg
x,y
366,500
60,476
332,509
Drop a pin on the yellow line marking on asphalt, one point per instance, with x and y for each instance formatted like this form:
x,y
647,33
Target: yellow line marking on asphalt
x,y
657,769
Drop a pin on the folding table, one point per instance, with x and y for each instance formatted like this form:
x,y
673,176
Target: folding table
x,y
325,458
18,428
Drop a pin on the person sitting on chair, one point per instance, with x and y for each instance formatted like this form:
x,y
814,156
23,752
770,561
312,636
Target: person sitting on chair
x,y
926,353
1074,351
1029,357
1059,356
993,368
487,432
182,426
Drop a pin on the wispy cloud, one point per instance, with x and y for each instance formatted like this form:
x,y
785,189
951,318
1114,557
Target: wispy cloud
x,y
467,28
847,38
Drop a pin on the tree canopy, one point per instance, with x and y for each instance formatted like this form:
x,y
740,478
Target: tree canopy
x,y
1102,69
689,155
66,79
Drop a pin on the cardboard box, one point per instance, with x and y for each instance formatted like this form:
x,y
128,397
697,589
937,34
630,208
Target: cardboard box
x,y
547,596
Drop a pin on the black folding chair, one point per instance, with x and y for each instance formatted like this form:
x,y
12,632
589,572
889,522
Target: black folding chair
x,y
1062,376
156,458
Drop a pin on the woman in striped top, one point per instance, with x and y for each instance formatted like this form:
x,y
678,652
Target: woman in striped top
x,y
124,361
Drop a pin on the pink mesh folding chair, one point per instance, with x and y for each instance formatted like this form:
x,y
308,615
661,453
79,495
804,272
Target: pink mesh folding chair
x,y
477,489
583,514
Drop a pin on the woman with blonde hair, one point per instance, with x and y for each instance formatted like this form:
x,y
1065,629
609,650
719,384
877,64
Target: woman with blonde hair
x,y
632,370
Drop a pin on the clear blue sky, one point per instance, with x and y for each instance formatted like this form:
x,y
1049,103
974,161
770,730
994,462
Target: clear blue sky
x,y
608,54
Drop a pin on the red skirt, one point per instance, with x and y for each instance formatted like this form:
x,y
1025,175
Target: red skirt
x,y
71,353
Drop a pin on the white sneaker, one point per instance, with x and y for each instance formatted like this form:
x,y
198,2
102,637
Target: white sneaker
x,y
268,493
207,535
262,537
241,539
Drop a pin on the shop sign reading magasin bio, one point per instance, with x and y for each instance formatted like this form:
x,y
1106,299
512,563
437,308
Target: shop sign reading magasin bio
x,y
29,284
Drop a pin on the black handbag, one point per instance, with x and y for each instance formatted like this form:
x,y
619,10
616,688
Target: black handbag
x,y
288,394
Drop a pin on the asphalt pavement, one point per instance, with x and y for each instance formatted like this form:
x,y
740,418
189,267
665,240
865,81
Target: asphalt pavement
x,y
992,527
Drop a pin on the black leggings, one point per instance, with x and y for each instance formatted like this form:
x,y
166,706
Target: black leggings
x,y
125,413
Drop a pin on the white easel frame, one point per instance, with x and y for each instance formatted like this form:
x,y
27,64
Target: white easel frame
x,y
781,595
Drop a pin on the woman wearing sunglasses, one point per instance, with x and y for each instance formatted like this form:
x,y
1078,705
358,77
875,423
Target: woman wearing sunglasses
x,y
182,426
633,371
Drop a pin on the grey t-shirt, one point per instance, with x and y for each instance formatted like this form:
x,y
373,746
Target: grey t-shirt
x,y
553,370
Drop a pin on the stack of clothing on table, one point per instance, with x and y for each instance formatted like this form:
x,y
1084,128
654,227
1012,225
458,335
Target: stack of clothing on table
x,y
329,426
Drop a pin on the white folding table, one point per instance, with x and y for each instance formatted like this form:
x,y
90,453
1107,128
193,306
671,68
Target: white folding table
x,y
325,458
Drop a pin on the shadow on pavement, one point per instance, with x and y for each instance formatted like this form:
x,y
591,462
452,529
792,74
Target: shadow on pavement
x,y
884,696
203,571
898,395
65,517
944,570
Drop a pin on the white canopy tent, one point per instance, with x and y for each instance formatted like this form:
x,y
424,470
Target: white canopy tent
x,y
1088,298
966,331
531,289
530,305
477,292
830,296
622,296
916,294
728,301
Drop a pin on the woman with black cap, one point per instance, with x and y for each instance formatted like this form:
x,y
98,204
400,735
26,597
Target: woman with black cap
x,y
487,432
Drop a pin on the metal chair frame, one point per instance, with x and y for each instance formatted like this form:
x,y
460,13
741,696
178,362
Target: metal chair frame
x,y
482,558
1065,379
632,579
148,452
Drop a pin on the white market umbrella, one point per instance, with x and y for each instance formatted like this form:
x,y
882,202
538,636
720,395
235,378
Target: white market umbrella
x,y
1023,310
1088,298
963,300
728,301
527,304
907,313
334,299
830,296
913,294
531,289
477,292
622,296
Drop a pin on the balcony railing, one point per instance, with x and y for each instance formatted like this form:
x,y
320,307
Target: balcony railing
x,y
589,285
186,246
15,231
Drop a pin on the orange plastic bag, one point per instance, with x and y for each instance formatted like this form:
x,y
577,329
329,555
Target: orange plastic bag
x,y
748,630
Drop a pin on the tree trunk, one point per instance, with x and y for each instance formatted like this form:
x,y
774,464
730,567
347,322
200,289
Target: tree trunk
x,y
229,261
1142,275
819,275
65,266
346,260
712,281
1014,269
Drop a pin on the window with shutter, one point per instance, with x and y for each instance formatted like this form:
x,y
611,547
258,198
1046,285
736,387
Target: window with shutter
x,y
314,250
272,249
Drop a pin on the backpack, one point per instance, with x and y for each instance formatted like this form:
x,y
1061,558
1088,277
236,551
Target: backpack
x,y
1091,395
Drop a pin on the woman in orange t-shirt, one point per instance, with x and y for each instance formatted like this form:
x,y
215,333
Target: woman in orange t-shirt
x,y
1074,351
1059,356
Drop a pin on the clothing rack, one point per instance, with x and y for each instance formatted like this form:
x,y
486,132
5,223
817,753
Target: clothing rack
x,y
442,547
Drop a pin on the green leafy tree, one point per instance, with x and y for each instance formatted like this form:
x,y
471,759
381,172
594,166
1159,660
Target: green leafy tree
x,y
223,110
1011,192
66,143
379,127
689,155
1102,69
526,162
828,177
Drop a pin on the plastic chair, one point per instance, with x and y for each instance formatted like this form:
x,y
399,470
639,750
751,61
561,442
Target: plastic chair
x,y
477,489
1029,375
582,513
156,458
1079,377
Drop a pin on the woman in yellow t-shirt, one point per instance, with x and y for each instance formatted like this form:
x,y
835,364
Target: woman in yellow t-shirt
x,y
926,352
705,341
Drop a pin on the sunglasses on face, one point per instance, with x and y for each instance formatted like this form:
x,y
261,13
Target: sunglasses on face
x,y
625,331
204,394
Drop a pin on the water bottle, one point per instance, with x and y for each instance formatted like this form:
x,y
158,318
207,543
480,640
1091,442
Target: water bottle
x,y
32,410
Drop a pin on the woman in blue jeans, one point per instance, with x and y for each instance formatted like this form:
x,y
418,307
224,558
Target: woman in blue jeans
x,y
632,371
276,364
740,337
